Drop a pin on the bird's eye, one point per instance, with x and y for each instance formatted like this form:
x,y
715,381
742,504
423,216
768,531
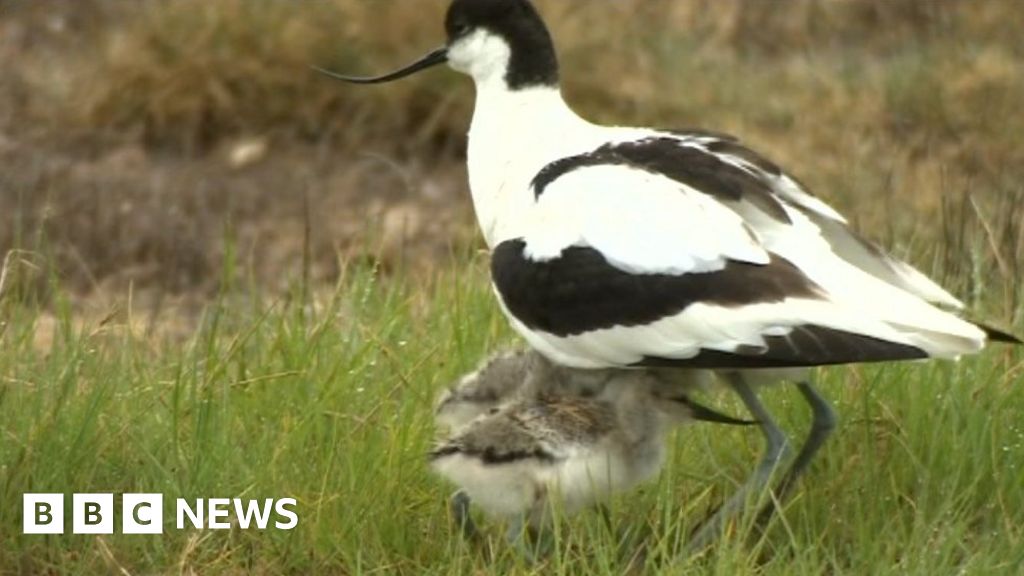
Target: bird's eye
x,y
461,28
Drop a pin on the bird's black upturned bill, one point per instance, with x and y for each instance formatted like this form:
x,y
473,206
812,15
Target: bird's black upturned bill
x,y
439,56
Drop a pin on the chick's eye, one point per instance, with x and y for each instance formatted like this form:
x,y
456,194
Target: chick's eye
x,y
460,28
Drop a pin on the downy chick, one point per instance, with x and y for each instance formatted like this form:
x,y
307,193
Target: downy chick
x,y
527,433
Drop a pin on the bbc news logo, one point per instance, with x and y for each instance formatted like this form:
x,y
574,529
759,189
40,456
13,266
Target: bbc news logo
x,y
144,513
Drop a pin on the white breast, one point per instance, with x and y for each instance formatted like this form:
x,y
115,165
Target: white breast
x,y
513,136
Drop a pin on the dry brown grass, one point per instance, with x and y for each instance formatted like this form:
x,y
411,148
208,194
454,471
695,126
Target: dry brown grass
x,y
888,108
189,72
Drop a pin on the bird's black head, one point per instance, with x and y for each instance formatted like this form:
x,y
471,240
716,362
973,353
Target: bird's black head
x,y
490,40
474,25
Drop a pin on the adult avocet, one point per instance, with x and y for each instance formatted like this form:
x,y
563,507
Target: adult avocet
x,y
637,247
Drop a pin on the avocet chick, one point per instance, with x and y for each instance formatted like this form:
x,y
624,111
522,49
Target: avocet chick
x,y
528,433
498,380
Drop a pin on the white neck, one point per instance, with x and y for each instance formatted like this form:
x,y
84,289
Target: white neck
x,y
514,134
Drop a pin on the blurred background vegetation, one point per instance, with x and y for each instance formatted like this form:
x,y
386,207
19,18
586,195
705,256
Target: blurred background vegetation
x,y
142,141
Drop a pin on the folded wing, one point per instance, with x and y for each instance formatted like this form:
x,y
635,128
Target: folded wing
x,y
663,251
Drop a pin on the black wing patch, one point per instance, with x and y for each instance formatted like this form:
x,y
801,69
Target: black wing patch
x,y
997,335
734,148
805,346
697,168
581,291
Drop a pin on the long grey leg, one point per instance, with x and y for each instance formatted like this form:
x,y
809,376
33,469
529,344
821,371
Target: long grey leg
x,y
459,506
532,546
776,449
518,533
823,422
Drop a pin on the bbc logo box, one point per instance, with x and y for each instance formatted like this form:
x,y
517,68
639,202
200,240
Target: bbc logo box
x,y
93,513
43,514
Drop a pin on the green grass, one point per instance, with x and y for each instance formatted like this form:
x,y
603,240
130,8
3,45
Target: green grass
x,y
328,399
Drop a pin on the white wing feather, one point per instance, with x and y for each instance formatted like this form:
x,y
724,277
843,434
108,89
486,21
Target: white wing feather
x,y
641,222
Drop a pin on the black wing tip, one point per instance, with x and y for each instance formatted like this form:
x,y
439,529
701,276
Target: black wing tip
x,y
702,413
997,335
806,347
